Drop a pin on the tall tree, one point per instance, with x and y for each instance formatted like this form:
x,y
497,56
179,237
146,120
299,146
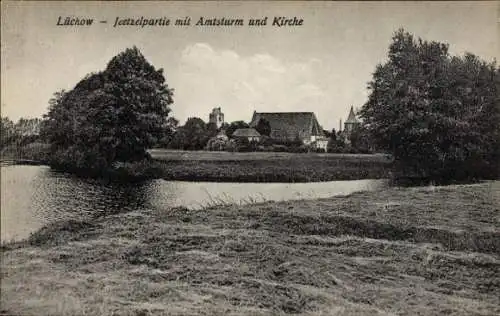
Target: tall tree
x,y
113,115
425,107
263,127
193,135
170,127
333,135
6,131
195,130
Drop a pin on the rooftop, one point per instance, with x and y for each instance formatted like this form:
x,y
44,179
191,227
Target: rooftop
x,y
246,132
290,123
351,119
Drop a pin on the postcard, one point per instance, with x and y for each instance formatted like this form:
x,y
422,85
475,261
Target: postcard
x,y
250,158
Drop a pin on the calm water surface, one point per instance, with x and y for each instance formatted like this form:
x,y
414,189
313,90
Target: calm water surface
x,y
32,196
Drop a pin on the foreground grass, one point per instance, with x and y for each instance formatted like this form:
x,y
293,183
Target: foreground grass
x,y
417,251
267,166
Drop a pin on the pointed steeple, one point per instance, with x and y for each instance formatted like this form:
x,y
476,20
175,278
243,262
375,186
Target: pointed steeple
x,y
352,117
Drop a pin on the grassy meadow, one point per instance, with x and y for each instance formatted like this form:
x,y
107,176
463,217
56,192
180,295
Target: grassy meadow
x,y
267,166
184,155
398,251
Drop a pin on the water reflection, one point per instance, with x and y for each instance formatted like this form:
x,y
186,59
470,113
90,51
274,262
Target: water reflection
x,y
164,194
32,196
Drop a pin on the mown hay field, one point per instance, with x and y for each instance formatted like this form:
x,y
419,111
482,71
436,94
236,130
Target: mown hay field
x,y
399,251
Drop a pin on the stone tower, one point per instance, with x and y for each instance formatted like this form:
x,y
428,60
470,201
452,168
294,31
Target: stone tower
x,y
216,117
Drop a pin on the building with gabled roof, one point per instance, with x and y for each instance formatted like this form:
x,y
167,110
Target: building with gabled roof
x,y
249,133
289,126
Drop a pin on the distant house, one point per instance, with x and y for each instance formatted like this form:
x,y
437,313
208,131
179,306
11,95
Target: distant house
x,y
249,133
321,143
289,126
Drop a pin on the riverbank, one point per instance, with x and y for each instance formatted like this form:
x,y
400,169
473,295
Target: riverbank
x,y
267,167
257,167
425,251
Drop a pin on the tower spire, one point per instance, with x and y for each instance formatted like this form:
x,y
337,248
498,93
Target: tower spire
x,y
352,117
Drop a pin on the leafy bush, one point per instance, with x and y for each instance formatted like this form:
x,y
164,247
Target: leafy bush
x,y
266,141
289,142
280,148
244,145
299,149
217,145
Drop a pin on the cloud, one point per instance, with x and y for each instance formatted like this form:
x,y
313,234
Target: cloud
x,y
207,77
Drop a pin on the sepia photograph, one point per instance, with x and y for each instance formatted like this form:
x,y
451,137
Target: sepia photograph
x,y
250,158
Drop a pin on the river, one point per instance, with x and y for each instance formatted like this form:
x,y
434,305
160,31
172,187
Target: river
x,y
32,196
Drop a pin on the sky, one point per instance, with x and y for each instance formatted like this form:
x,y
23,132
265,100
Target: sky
x,y
322,66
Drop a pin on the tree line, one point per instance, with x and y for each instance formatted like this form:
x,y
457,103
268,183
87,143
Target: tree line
x,y
21,140
25,130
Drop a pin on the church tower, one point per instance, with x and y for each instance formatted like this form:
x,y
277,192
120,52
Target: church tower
x,y
351,123
216,117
